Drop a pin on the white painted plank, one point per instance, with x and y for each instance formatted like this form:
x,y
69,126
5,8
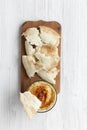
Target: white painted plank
x,y
70,112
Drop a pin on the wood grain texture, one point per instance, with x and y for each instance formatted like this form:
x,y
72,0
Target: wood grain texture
x,y
70,112
25,80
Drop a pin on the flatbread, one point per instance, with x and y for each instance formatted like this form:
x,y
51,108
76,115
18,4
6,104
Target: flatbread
x,y
29,48
49,36
29,65
41,53
49,75
30,103
47,62
48,49
32,36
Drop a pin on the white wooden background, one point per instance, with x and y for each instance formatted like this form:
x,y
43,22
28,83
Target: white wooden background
x,y
70,112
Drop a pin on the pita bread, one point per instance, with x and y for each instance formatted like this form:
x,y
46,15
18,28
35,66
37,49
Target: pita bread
x,y
32,36
47,62
29,48
30,103
44,58
49,75
48,50
31,31
29,65
49,36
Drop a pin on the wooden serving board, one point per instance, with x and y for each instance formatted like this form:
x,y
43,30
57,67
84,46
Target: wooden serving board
x,y
25,80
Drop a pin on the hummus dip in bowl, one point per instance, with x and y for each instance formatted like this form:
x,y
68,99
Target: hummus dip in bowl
x,y
46,93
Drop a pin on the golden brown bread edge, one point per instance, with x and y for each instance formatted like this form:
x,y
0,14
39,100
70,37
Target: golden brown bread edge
x,y
25,80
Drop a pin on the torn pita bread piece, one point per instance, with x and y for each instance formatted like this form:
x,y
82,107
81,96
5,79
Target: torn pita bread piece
x,y
29,48
49,36
31,31
30,103
32,36
49,75
48,49
29,65
47,62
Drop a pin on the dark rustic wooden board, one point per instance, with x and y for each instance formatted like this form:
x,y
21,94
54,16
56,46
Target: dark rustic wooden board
x,y
25,80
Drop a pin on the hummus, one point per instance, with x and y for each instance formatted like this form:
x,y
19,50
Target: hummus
x,y
45,92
